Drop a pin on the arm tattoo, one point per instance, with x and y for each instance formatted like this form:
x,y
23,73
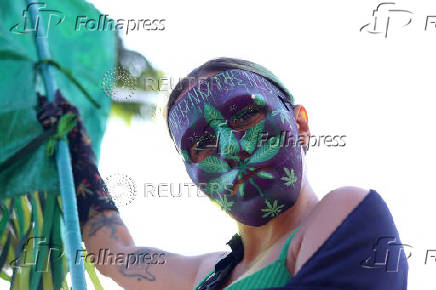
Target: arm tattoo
x,y
139,263
139,273
101,221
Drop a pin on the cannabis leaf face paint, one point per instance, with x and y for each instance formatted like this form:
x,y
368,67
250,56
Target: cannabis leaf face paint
x,y
272,209
229,130
290,177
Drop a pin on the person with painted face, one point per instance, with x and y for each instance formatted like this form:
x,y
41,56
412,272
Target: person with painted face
x,y
228,130
243,141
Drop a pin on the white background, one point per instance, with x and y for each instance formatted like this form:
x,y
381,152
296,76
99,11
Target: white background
x,y
377,91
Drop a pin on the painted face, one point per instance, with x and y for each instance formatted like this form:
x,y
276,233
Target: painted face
x,y
239,142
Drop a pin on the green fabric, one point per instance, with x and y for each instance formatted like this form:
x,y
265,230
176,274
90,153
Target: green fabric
x,y
88,55
273,275
204,279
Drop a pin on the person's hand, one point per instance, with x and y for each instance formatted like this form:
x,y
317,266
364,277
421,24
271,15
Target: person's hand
x,y
92,193
50,112
49,115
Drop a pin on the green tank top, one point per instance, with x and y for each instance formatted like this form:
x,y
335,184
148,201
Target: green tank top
x,y
272,275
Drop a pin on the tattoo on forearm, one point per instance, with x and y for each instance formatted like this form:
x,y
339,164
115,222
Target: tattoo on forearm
x,y
138,264
139,274
102,221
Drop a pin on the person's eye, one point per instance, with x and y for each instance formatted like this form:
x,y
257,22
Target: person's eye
x,y
203,147
247,117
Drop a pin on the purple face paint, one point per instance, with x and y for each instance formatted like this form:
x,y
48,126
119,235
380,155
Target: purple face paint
x,y
240,145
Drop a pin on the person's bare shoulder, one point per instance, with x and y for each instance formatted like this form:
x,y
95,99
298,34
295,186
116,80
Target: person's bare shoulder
x,y
323,220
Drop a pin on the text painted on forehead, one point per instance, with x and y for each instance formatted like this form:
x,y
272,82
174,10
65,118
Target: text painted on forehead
x,y
211,90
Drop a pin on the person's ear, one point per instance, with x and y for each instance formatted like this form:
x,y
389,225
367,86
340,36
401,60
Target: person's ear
x,y
302,120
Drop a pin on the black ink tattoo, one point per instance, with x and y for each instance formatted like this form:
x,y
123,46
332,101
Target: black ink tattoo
x,y
145,274
138,268
101,221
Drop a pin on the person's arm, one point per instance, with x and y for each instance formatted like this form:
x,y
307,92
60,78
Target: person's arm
x,y
143,267
107,240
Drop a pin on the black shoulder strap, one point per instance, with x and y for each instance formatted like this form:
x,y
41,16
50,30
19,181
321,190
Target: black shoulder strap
x,y
225,266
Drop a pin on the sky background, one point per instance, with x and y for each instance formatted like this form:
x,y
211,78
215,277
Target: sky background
x,y
377,91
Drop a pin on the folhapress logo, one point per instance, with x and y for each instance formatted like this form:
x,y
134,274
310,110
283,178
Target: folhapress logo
x,y
51,17
105,23
386,255
43,252
387,17
30,25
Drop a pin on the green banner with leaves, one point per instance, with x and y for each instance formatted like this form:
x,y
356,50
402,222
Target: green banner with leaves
x,y
80,55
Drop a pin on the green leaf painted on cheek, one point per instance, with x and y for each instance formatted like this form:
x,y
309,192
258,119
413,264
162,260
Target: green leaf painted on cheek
x,y
272,209
265,152
213,164
265,175
217,185
290,177
251,137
